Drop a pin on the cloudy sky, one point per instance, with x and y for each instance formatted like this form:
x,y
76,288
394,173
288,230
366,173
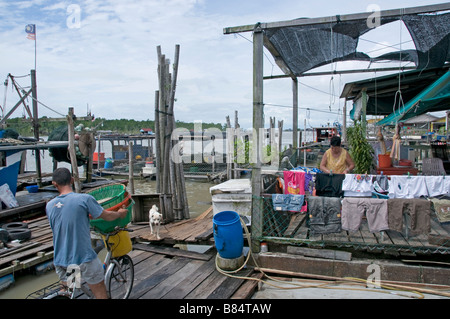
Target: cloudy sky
x,y
102,55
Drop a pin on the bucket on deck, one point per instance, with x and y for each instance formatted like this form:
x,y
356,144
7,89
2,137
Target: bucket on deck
x,y
384,160
108,163
228,236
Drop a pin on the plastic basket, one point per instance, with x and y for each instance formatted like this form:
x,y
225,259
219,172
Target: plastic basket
x,y
126,201
108,226
109,195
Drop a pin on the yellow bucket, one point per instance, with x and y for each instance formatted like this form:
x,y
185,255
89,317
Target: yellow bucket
x,y
120,244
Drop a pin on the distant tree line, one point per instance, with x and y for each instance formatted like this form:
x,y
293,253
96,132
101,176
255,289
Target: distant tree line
x,y
125,126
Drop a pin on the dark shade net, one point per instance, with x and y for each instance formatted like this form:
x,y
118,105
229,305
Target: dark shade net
x,y
307,47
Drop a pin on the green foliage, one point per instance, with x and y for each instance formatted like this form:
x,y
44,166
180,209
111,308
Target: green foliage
x,y
124,126
360,150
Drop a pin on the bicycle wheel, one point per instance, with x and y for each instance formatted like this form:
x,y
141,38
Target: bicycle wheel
x,y
120,278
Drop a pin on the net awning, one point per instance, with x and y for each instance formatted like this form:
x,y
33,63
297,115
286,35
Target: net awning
x,y
302,48
436,97
382,90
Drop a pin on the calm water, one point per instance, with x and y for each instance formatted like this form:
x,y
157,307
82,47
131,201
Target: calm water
x,y
199,200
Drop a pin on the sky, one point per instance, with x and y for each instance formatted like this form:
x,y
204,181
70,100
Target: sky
x,y
101,56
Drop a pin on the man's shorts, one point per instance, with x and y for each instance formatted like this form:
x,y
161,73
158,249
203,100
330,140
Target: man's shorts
x,y
92,272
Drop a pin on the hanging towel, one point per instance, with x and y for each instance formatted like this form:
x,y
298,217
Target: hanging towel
x,y
437,185
357,185
329,185
294,182
407,186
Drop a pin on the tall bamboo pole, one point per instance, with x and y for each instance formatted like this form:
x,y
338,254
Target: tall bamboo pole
x,y
73,156
36,126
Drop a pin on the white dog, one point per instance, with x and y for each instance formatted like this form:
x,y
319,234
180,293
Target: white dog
x,y
155,219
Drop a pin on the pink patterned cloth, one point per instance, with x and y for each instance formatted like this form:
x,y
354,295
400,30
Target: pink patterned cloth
x,y
294,183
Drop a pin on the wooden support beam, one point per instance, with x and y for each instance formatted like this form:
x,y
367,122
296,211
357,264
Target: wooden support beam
x,y
295,119
36,126
341,18
258,123
130,168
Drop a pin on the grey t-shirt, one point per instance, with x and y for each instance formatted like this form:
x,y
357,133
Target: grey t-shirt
x,y
69,219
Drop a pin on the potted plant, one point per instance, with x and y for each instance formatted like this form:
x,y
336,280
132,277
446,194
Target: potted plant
x,y
361,151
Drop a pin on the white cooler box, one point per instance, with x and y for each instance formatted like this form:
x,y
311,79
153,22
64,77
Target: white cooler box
x,y
234,195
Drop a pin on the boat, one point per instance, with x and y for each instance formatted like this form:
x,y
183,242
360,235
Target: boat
x,y
149,170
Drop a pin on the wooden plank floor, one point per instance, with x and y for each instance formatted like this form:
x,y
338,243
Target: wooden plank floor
x,y
196,230
161,276
161,271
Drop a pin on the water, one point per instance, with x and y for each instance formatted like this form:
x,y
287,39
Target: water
x,y
199,200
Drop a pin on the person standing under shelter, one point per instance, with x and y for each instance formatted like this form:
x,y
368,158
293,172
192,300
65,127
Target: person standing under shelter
x,y
336,159
69,215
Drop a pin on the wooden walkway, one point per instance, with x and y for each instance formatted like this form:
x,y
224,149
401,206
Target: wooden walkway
x,y
173,274
197,230
161,271
39,248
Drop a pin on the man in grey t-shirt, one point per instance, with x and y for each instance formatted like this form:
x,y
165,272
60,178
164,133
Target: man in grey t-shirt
x,y
68,215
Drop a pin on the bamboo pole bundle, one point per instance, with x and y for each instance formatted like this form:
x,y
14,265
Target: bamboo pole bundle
x,y
170,174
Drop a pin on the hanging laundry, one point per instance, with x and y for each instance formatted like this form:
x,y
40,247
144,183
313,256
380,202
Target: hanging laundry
x,y
324,214
309,180
289,202
329,185
437,185
418,209
381,184
442,209
294,182
407,186
375,210
357,185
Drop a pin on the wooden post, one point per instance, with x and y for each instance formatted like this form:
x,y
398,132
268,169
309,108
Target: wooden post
x,y
237,137
157,147
36,126
258,112
295,119
230,149
364,109
72,154
177,173
304,150
344,122
90,162
130,167
280,136
162,114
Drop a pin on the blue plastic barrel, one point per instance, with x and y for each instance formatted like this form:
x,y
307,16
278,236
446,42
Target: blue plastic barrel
x,y
228,236
108,163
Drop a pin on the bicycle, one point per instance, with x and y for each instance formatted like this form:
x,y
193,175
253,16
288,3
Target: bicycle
x,y
119,276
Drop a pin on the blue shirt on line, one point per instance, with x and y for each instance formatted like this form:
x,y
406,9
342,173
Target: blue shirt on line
x,y
69,219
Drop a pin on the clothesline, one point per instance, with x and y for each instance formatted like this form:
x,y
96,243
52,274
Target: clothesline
x,y
340,201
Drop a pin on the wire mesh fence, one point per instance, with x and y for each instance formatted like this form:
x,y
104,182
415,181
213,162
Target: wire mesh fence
x,y
293,228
